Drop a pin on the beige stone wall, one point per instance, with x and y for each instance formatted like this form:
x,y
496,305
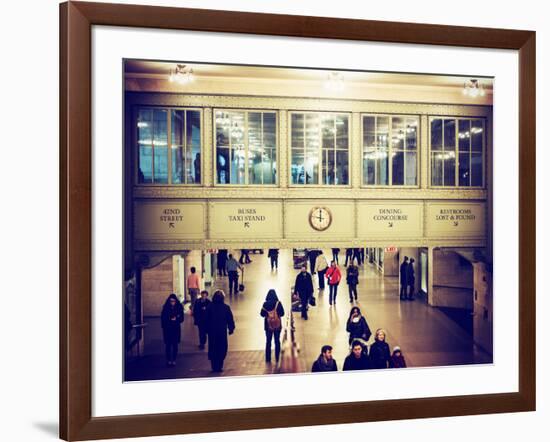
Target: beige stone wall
x,y
452,280
156,285
483,307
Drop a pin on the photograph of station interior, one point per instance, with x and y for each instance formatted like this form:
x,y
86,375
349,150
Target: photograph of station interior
x,y
236,157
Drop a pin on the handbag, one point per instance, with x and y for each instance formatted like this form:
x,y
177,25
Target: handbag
x,y
312,301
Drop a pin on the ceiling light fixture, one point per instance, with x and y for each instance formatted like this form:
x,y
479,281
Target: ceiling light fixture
x,y
182,74
473,89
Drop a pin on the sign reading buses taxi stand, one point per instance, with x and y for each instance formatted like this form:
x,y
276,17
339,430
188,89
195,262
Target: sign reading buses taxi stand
x,y
247,220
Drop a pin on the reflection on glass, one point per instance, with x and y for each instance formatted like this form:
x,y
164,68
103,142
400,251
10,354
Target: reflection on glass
x,y
477,169
464,135
410,168
449,135
436,135
398,133
477,135
449,170
437,169
398,168
464,169
145,172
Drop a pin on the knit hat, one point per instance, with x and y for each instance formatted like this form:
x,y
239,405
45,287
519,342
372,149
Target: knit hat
x,y
396,348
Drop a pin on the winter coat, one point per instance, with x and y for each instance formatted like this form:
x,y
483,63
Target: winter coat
x,y
218,321
379,354
303,285
398,361
320,263
321,365
403,272
353,363
333,275
199,311
410,274
273,253
352,275
171,328
358,329
268,306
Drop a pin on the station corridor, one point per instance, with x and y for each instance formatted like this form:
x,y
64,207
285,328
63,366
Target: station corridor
x,y
426,335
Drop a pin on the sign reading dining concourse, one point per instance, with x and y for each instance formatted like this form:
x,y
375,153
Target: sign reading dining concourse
x,y
389,219
455,219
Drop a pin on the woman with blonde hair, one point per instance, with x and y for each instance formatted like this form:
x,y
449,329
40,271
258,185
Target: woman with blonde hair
x,y
379,351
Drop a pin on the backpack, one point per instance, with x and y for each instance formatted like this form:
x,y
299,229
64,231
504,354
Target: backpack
x,y
273,319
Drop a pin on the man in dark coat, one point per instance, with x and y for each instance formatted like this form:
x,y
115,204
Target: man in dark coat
x,y
358,358
304,287
171,318
410,279
325,361
222,259
403,271
312,256
349,255
199,316
273,255
219,321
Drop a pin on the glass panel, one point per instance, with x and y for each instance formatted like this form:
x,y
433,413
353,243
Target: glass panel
x,y
382,169
222,165
145,169
437,169
328,131
161,164
311,167
368,131
464,135
297,167
342,167
144,125
398,167
410,168
464,169
477,135
237,130
382,135
178,124
369,165
297,130
255,131
160,137
436,135
255,167
449,169
237,164
449,135
194,145
411,131
270,130
223,123
269,166
177,164
312,132
398,133
477,169
342,132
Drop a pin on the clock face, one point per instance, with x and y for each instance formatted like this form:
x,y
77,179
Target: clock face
x,y
320,218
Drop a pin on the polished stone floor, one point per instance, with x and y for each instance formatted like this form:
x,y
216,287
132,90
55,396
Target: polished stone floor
x,y
426,335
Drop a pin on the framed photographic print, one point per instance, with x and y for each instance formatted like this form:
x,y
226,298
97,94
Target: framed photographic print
x,y
256,205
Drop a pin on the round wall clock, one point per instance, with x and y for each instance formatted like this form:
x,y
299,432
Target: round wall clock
x,y
320,218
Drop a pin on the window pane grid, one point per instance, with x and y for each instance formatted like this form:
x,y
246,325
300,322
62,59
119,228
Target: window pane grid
x,y
458,160
389,150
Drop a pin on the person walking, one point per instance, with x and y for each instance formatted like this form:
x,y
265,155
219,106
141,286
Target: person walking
x,y
333,276
221,261
358,358
357,326
411,279
193,285
362,255
218,322
312,256
379,351
321,266
273,255
352,279
397,359
349,256
244,259
325,361
199,317
272,311
232,267
403,272
356,255
303,286
171,318
335,253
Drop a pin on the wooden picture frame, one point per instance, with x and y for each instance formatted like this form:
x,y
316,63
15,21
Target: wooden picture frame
x,y
76,21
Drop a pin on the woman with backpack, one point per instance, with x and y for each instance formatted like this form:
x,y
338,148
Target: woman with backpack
x,y
272,311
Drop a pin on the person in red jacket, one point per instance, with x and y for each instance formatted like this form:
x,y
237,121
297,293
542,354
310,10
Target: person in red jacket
x,y
334,276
